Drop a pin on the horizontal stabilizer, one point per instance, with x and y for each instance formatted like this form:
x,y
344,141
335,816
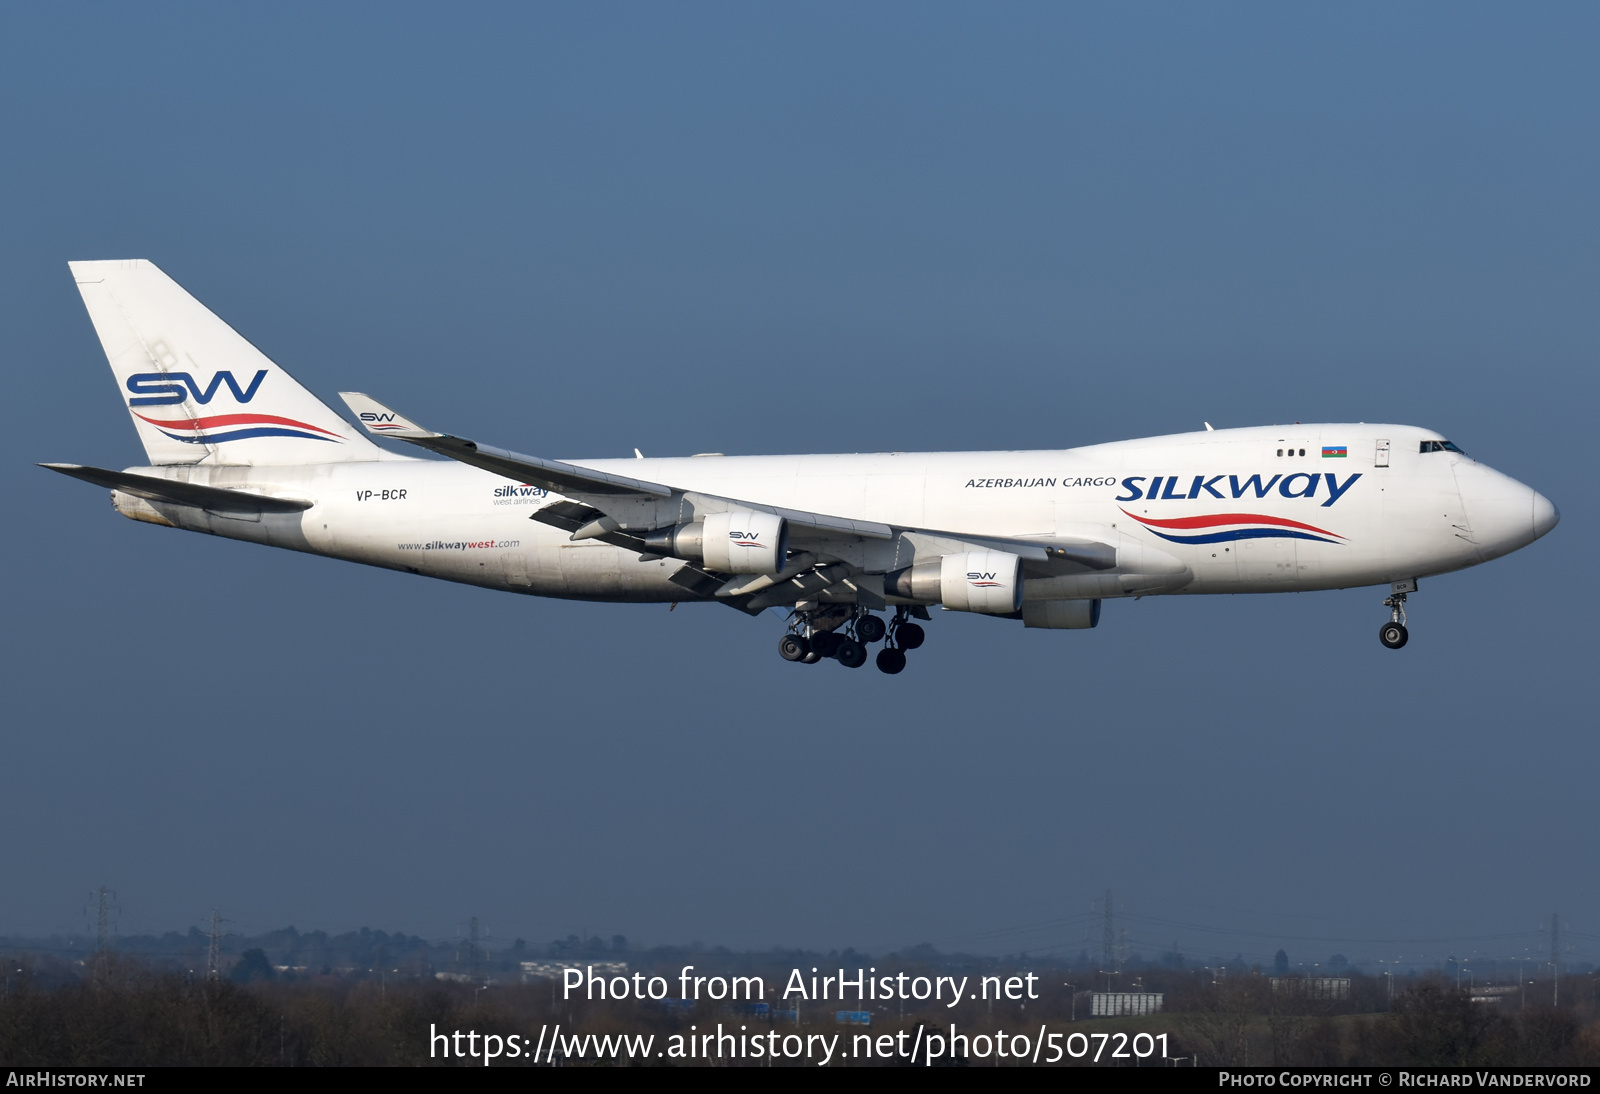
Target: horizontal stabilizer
x,y
151,488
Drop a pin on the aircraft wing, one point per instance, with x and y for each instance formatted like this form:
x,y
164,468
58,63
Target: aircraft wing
x,y
608,507
563,478
571,480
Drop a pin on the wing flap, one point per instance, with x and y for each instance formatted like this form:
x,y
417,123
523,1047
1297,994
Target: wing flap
x,y
586,522
696,580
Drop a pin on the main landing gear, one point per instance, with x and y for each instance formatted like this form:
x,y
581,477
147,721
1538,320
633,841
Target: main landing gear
x,y
844,633
903,635
1393,633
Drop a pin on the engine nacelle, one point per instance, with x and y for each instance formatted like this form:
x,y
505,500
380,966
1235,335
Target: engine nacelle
x,y
1061,615
978,581
744,543
730,543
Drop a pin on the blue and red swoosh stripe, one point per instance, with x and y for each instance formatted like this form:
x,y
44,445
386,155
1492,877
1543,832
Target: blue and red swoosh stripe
x,y
1233,526
219,428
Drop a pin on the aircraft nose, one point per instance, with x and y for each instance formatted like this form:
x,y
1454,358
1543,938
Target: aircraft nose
x,y
1545,514
1504,514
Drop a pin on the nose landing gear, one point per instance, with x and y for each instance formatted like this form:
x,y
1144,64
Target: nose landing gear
x,y
1393,634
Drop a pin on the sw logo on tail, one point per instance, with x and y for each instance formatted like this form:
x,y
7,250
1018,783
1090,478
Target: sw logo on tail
x,y
163,388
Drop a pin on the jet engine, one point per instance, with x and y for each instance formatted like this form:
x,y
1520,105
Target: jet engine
x,y
739,542
978,581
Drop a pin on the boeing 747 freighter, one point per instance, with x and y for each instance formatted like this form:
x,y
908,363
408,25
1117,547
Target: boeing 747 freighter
x,y
857,548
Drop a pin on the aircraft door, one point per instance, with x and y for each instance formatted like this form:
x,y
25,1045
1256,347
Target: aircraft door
x,y
1266,562
517,569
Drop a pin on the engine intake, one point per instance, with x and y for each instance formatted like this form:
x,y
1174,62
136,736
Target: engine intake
x,y
745,543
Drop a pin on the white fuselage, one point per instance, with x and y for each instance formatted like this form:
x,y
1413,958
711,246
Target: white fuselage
x,y
1213,512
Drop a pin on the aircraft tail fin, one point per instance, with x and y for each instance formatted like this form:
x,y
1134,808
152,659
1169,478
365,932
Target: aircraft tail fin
x,y
197,390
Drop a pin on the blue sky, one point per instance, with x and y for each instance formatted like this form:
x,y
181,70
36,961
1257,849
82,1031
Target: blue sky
x,y
572,230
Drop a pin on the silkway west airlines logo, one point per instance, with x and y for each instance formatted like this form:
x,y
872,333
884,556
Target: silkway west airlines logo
x,y
747,539
379,421
1301,484
169,388
1221,527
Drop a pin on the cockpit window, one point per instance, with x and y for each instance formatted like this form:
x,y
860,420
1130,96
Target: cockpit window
x,y
1441,446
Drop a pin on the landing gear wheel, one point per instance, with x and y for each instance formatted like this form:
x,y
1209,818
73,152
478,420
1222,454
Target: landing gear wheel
x,y
826,643
869,629
1393,633
850,653
908,636
811,658
891,660
792,647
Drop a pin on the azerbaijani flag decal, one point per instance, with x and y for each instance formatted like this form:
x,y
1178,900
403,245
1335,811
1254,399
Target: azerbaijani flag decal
x,y
1223,527
1334,451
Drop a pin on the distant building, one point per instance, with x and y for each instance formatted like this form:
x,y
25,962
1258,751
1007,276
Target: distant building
x,y
555,970
1494,994
853,1017
1312,987
1115,1004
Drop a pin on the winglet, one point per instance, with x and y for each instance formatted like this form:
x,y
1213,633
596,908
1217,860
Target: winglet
x,y
381,421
